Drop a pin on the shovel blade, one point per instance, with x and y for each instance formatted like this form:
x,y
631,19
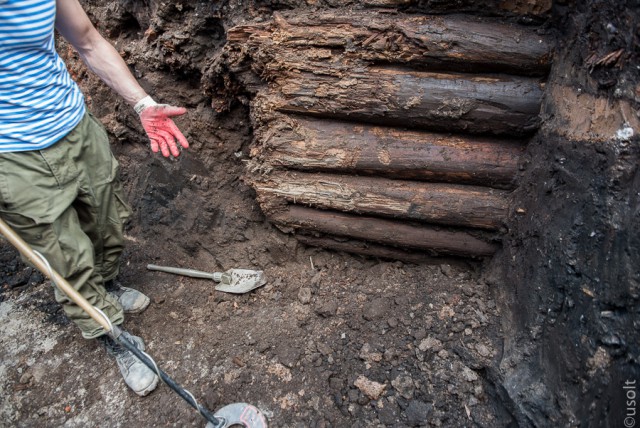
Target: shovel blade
x,y
239,281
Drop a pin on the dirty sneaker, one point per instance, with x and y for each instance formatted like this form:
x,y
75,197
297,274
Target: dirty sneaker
x,y
140,378
132,301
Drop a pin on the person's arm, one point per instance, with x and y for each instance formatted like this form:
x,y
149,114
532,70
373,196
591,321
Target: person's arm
x,y
103,59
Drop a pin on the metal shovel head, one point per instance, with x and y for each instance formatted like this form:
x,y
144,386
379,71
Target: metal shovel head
x,y
240,414
240,281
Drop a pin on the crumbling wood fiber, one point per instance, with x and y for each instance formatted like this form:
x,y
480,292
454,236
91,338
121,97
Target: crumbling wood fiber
x,y
418,41
437,203
308,144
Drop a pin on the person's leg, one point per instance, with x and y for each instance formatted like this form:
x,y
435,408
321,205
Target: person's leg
x,y
102,208
37,193
46,197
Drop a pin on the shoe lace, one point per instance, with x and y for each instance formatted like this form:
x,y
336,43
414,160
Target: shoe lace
x,y
126,359
117,350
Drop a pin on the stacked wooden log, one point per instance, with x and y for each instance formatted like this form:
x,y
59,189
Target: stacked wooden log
x,y
528,8
389,134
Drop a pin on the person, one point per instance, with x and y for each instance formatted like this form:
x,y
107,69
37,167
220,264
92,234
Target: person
x,y
59,185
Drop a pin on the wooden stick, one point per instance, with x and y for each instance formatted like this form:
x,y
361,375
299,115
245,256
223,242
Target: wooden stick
x,y
54,276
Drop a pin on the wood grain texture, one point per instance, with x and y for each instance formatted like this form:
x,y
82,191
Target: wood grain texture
x,y
418,41
341,147
497,105
386,232
436,203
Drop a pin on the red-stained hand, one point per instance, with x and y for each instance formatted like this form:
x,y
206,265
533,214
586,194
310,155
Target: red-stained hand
x,y
162,131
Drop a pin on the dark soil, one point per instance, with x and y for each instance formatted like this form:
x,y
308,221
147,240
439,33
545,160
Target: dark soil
x,y
568,276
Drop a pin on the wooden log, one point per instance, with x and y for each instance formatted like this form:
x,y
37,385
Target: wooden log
x,y
479,7
340,147
370,249
424,42
437,101
386,232
428,202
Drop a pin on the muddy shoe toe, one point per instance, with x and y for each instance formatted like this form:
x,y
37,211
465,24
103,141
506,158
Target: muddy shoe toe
x,y
132,301
140,378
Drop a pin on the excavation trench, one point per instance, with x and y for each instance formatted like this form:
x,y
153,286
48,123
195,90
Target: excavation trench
x,y
442,195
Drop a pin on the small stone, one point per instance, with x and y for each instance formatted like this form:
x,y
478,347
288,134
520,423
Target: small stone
x,y
483,350
430,343
392,322
288,356
324,349
468,374
404,385
327,309
304,295
447,270
417,412
370,388
367,353
443,354
457,327
26,378
389,354
599,361
363,400
420,334
446,312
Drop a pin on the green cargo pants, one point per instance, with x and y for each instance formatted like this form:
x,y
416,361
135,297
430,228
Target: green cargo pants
x,y
66,202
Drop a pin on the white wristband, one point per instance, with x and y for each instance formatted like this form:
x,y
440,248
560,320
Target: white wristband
x,y
144,103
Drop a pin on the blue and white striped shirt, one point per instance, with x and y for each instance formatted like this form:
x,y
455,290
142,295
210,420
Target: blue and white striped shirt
x,y
39,102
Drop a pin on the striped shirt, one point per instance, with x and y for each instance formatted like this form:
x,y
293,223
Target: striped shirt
x,y
39,102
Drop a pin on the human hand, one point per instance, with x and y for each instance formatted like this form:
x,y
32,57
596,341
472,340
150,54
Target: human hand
x,y
160,128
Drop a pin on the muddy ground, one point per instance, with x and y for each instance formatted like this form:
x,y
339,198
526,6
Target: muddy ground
x,y
521,341
295,348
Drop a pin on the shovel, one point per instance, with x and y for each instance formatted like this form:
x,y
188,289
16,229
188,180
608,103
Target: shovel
x,y
237,281
236,414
